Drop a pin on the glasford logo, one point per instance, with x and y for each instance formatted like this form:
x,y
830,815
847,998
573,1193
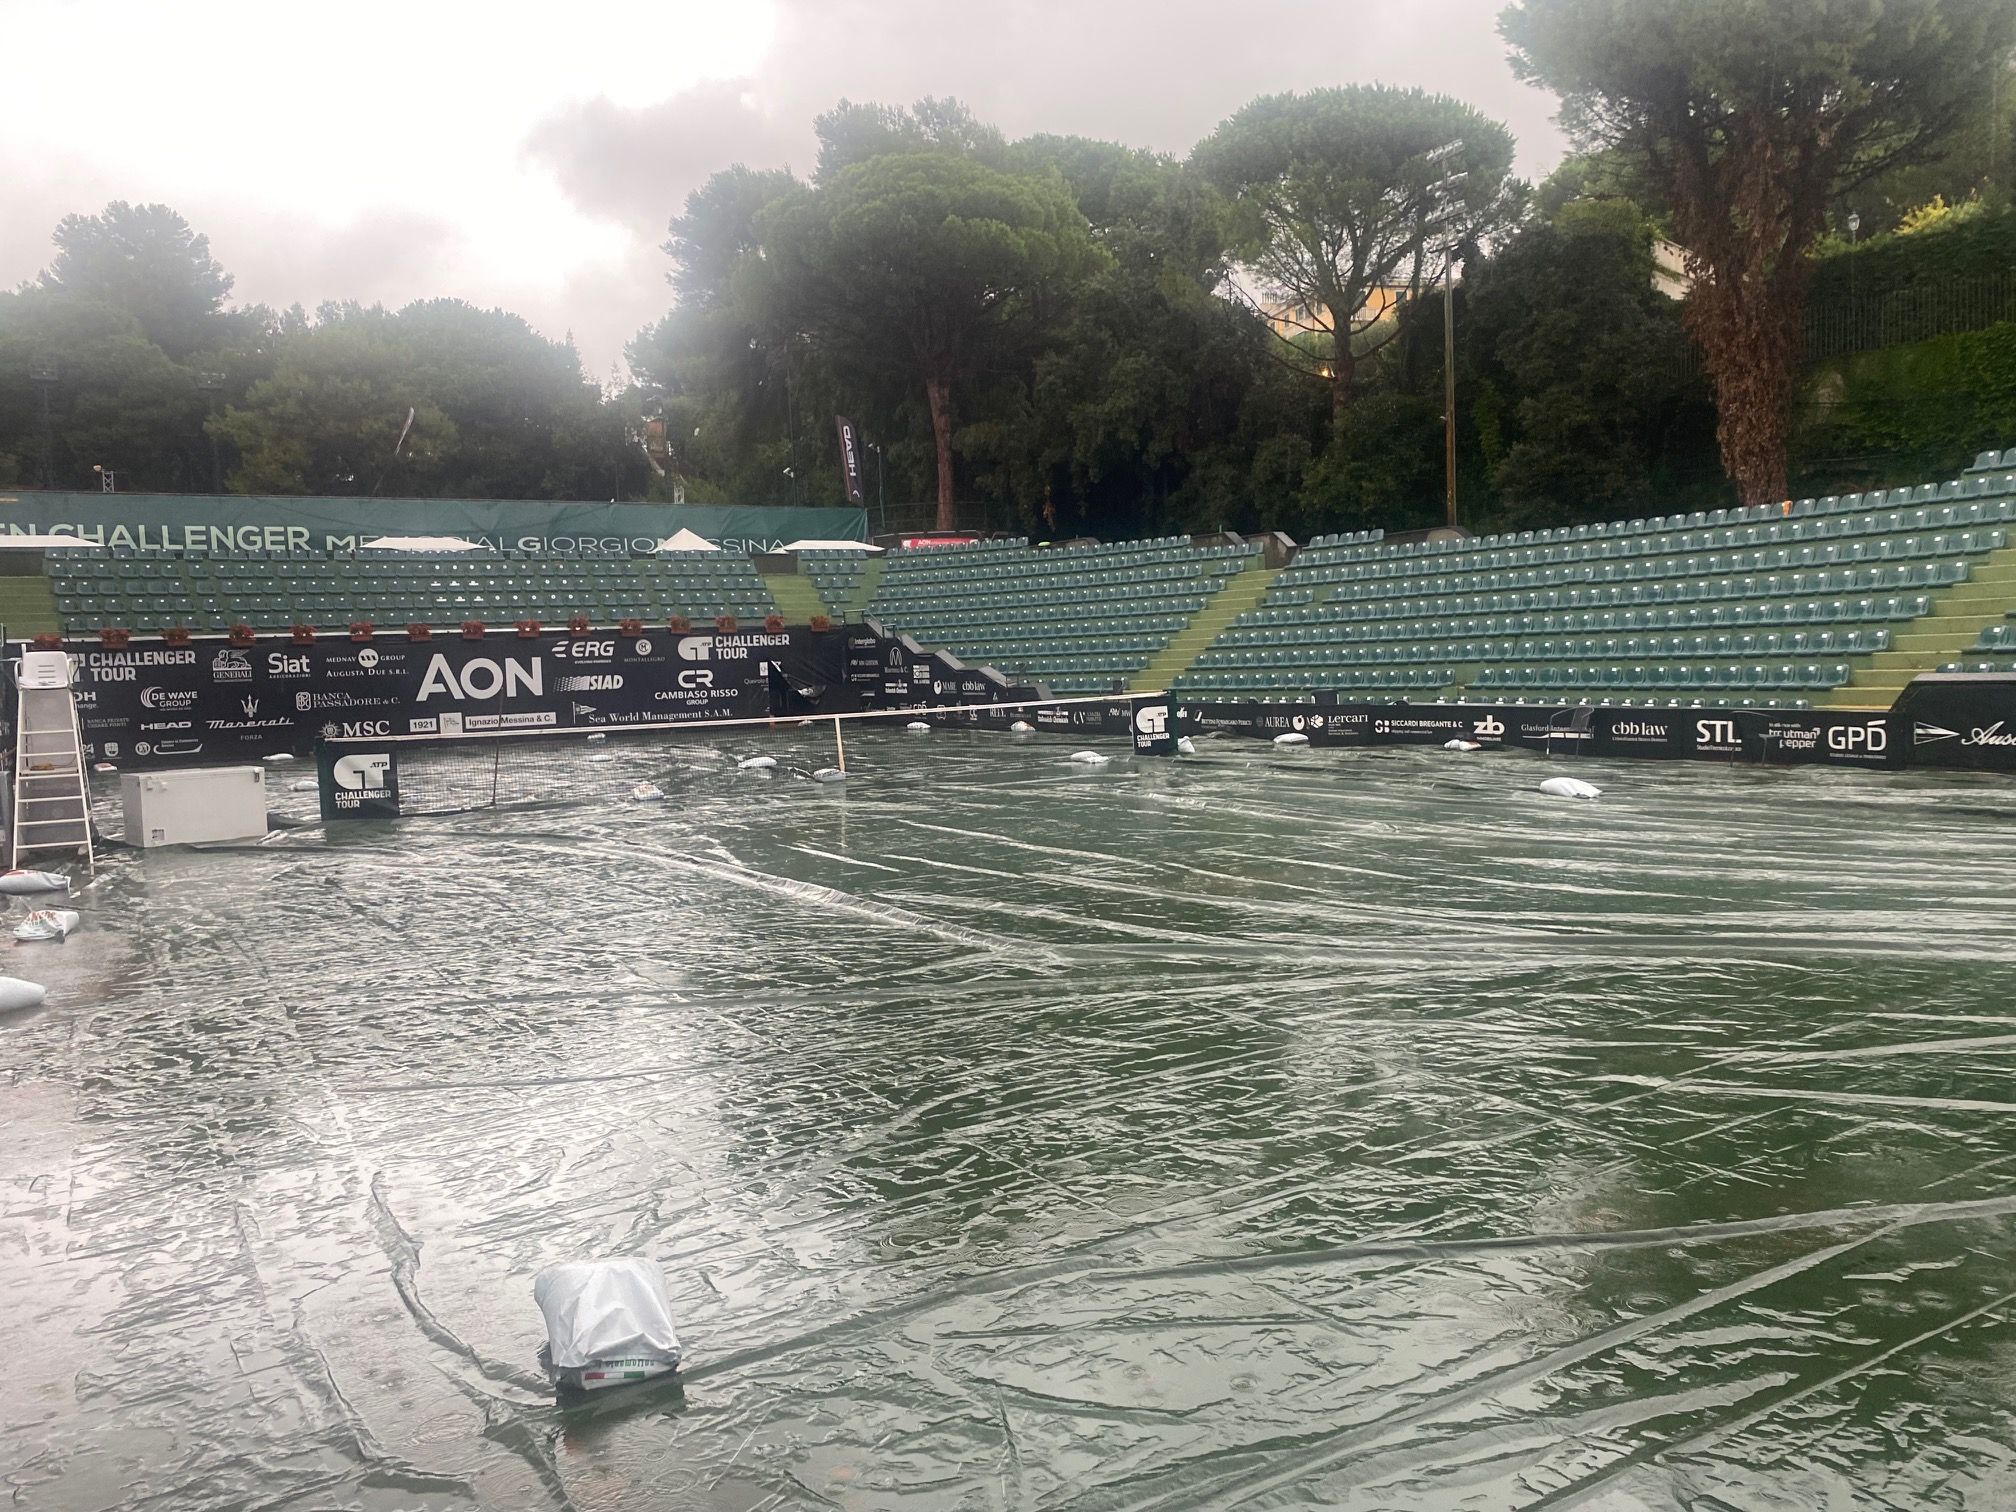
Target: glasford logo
x,y
168,699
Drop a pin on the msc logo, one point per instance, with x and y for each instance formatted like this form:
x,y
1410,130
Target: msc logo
x,y
1715,732
358,729
1490,725
698,677
1855,739
483,678
696,647
362,774
1152,719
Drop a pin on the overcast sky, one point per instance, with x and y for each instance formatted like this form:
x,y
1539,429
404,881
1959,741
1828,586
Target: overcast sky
x,y
529,155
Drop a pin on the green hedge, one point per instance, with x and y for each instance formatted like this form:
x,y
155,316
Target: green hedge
x,y
1918,411
1982,246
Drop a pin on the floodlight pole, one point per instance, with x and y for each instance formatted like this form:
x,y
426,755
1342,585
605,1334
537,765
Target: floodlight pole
x,y
43,376
1449,382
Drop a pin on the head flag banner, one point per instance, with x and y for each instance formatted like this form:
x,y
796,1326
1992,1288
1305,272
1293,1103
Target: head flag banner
x,y
850,458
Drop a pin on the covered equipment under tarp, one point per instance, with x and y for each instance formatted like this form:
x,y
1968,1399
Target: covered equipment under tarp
x,y
607,1321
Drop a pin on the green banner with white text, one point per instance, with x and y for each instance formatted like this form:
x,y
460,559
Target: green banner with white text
x,y
214,523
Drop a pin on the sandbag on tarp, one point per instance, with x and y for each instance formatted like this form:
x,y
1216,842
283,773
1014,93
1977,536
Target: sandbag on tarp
x,y
48,924
607,1322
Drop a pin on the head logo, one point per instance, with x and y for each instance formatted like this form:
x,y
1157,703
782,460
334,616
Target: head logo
x,y
362,774
696,647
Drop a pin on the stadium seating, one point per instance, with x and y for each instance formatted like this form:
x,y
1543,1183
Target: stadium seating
x,y
1763,605
1079,618
95,587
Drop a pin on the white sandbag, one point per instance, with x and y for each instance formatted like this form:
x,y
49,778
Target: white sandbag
x,y
601,759
1292,738
756,763
918,727
20,882
48,924
1461,745
15,993
1185,746
598,735
104,766
607,1322
1090,758
1022,727
829,774
279,756
305,785
1570,787
647,792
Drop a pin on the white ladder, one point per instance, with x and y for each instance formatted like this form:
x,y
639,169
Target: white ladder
x,y
52,799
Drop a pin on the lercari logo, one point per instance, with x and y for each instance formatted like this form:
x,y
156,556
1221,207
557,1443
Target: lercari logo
x,y
482,678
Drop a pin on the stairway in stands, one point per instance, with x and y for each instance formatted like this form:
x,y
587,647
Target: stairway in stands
x,y
27,606
1244,592
797,596
1959,615
864,591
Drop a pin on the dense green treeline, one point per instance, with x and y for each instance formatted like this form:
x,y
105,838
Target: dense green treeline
x,y
1067,335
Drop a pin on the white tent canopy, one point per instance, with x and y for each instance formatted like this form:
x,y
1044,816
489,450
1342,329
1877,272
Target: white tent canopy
x,y
421,543
829,546
687,540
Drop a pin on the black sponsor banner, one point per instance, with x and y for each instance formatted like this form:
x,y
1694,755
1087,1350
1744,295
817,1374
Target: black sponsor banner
x,y
1154,725
211,702
1958,719
1823,737
358,783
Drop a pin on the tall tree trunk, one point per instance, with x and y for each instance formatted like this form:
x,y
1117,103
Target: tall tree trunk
x,y
1750,332
939,392
1343,366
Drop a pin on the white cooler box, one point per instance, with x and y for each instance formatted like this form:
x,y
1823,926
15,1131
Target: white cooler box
x,y
194,806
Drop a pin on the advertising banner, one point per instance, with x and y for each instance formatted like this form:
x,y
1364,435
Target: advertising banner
x,y
217,523
1958,719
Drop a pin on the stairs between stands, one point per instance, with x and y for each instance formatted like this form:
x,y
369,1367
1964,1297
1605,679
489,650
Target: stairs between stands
x,y
864,591
796,596
1242,593
1959,615
27,607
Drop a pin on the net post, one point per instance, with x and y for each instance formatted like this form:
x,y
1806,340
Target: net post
x,y
839,745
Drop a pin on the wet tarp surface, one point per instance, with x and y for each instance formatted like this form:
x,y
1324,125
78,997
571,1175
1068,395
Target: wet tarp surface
x,y
1356,1129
